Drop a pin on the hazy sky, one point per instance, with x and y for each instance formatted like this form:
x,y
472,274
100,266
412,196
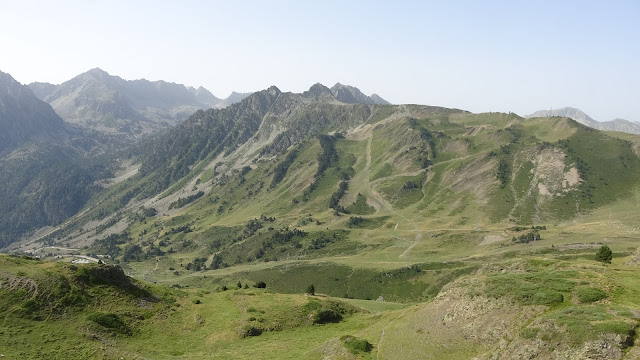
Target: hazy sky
x,y
518,56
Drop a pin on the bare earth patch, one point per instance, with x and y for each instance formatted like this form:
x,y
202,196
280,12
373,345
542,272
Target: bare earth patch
x,y
475,177
490,239
571,178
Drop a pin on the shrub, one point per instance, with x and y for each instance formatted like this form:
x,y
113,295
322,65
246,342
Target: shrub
x,y
260,285
109,321
355,345
604,255
311,290
249,330
529,333
543,298
355,221
589,295
409,185
324,316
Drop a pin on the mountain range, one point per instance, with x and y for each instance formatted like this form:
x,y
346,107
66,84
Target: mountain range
x,y
325,224
578,115
47,166
106,103
96,109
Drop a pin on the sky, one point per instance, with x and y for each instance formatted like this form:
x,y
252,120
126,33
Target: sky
x,y
518,56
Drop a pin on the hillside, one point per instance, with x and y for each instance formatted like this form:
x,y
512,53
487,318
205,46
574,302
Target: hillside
x,y
555,304
435,165
431,232
47,167
23,117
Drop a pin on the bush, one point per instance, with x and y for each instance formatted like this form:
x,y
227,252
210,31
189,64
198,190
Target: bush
x,y
355,345
311,290
109,321
260,285
325,316
409,185
589,295
355,221
249,330
542,298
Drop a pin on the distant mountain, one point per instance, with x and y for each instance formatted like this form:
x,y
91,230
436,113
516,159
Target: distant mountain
x,y
233,98
42,89
46,173
24,117
203,95
579,116
352,95
572,113
378,100
99,101
621,125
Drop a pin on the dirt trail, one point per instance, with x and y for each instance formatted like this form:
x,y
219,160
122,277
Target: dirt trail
x,y
379,346
415,242
373,197
411,173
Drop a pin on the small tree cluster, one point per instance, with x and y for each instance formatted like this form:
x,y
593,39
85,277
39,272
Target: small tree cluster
x,y
527,238
337,196
184,201
409,185
197,264
355,221
504,172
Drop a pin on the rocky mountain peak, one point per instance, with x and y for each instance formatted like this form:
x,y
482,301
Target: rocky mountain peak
x,y
318,91
352,95
273,90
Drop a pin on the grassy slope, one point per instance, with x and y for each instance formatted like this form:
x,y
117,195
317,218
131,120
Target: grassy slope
x,y
454,225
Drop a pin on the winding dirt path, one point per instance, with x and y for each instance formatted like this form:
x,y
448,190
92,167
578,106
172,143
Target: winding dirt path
x,y
379,346
375,199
